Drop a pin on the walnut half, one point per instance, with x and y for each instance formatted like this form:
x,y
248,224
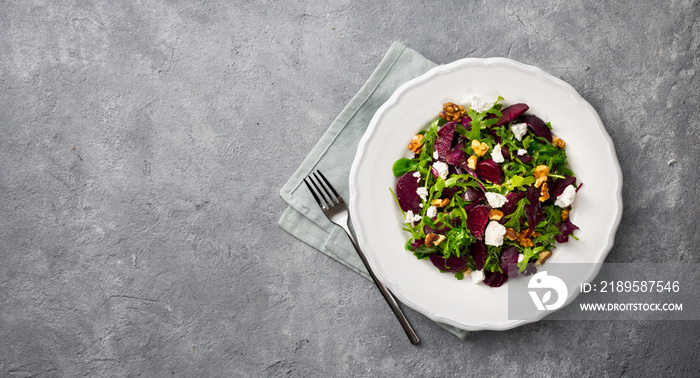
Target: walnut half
x,y
416,143
433,239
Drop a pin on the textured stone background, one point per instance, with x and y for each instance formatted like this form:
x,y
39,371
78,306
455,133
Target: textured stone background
x,y
143,146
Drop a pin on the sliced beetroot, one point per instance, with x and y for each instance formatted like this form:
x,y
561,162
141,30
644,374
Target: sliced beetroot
x,y
511,113
471,194
558,185
512,200
495,279
537,126
444,138
479,254
534,211
456,157
524,158
490,170
406,192
509,261
477,218
450,264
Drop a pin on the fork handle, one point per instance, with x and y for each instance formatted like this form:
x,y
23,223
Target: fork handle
x,y
385,292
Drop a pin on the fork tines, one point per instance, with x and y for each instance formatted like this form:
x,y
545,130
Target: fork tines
x,y
329,197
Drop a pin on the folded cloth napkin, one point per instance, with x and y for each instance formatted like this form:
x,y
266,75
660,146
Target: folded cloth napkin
x,y
334,154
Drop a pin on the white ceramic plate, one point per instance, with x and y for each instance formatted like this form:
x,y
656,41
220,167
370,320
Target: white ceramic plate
x,y
377,219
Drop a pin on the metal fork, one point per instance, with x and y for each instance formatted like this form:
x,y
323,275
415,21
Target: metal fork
x,y
335,209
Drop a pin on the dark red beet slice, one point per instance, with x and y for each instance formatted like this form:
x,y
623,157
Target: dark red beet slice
x,y
477,218
537,126
406,192
451,264
511,113
479,254
495,279
509,261
444,138
490,170
524,158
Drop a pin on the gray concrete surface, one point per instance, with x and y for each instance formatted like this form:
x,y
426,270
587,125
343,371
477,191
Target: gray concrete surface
x,y
143,145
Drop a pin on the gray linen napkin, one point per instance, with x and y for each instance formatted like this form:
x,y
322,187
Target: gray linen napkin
x,y
334,154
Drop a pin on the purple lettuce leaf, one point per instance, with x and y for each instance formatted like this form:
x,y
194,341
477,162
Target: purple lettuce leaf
x,y
512,200
556,188
566,228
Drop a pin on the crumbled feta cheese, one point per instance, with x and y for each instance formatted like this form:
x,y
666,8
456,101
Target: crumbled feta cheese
x,y
477,276
422,192
432,212
416,174
519,130
567,197
421,205
494,234
497,154
496,200
480,104
521,257
412,218
435,155
442,169
522,152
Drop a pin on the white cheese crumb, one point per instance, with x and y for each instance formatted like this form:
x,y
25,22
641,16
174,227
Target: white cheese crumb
x,y
497,154
432,212
422,192
494,234
496,200
480,104
521,257
519,130
522,152
477,276
412,218
435,155
416,174
567,197
442,169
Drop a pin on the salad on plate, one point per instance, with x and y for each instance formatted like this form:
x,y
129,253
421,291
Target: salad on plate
x,y
486,192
